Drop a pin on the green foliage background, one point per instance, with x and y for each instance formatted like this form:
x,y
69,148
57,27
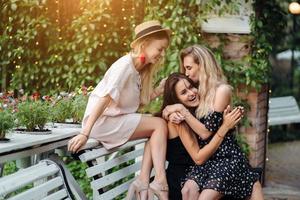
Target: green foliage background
x,y
46,45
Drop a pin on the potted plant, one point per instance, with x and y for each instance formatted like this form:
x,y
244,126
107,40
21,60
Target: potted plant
x,y
78,107
6,123
61,112
32,117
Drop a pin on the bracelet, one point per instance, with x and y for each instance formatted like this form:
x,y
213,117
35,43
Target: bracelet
x,y
84,135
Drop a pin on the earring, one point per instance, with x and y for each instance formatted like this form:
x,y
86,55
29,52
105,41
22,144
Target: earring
x,y
142,58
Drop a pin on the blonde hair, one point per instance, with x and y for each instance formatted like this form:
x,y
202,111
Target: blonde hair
x,y
210,76
148,72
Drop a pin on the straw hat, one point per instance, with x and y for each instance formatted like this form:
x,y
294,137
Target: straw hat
x,y
148,28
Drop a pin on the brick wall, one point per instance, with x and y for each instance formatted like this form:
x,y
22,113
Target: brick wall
x,y
256,134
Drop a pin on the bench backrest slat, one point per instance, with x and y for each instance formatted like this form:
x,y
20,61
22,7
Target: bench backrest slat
x,y
282,101
44,180
102,167
96,153
61,194
121,169
115,176
35,192
25,177
113,193
283,110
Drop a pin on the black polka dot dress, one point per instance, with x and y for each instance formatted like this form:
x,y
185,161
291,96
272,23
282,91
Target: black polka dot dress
x,y
228,170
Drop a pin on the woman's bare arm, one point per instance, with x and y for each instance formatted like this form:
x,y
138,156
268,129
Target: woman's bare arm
x,y
190,142
78,141
222,99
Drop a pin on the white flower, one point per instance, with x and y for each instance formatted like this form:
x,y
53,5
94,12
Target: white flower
x,y
64,94
21,91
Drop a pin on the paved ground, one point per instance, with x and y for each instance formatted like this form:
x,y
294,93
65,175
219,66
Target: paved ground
x,y
283,171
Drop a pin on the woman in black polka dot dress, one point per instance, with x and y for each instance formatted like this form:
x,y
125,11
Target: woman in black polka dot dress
x,y
228,170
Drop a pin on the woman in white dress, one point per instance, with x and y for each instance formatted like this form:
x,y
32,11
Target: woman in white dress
x,y
111,117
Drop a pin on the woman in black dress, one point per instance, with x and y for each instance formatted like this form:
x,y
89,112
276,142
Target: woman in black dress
x,y
177,156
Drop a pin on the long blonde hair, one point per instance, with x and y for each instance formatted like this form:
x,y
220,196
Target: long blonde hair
x,y
148,72
210,76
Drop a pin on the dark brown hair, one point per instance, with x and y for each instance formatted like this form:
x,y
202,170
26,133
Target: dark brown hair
x,y
170,97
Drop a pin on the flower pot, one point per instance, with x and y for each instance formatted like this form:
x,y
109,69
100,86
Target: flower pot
x,y
2,137
33,132
2,134
66,125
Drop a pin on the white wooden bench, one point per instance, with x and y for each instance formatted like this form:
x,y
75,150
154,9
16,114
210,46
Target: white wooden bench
x,y
126,161
283,110
53,185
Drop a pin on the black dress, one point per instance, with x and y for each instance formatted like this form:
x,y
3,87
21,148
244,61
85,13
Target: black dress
x,y
179,161
228,170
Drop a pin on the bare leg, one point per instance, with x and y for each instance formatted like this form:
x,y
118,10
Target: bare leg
x,y
209,194
257,193
146,168
190,190
146,163
156,129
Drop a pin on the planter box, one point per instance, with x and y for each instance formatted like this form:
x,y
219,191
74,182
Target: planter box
x,y
37,132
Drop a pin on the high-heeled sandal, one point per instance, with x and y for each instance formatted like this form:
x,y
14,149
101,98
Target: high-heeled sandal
x,y
135,188
157,190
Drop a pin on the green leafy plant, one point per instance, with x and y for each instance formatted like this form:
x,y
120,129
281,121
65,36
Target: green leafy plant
x,y
6,122
242,141
43,51
79,103
62,110
33,114
77,169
